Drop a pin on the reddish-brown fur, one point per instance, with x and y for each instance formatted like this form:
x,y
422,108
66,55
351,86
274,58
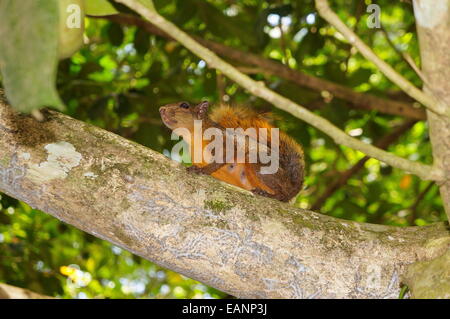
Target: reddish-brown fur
x,y
283,185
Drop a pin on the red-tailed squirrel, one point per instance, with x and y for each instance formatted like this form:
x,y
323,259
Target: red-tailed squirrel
x,y
283,184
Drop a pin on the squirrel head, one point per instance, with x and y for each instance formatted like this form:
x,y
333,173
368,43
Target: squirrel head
x,y
182,114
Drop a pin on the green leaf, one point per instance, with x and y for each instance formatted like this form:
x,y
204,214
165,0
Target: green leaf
x,y
99,8
29,53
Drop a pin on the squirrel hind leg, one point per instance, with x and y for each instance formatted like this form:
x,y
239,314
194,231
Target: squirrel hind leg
x,y
285,185
206,170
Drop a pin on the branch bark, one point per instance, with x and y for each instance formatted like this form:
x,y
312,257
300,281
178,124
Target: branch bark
x,y
246,245
430,279
426,99
433,28
260,90
357,99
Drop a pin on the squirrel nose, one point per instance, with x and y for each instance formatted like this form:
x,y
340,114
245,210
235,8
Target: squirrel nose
x,y
162,109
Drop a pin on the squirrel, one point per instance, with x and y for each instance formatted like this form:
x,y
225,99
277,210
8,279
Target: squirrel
x,y
283,185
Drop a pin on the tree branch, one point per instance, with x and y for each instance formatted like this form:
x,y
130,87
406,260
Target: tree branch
x,y
11,292
246,245
344,176
260,90
430,279
403,55
428,101
357,99
433,31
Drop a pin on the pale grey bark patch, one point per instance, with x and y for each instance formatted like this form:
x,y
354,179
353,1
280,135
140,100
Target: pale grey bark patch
x,y
430,13
62,157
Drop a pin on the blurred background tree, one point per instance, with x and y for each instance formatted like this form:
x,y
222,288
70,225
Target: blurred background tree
x,y
123,74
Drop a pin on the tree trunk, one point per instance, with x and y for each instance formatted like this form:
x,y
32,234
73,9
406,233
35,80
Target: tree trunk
x,y
433,26
246,245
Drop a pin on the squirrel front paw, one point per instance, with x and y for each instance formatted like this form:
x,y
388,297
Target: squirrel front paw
x,y
196,170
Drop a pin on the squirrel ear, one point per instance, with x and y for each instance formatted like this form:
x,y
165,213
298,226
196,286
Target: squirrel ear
x,y
202,109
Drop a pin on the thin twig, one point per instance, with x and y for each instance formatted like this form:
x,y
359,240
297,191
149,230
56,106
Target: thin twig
x,y
403,55
38,116
329,15
344,176
413,207
414,66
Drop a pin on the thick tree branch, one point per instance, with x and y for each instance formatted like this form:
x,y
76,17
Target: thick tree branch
x,y
427,100
274,68
246,245
430,279
260,90
433,29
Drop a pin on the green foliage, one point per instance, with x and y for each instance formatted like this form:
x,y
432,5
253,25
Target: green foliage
x,y
49,257
120,78
99,8
28,53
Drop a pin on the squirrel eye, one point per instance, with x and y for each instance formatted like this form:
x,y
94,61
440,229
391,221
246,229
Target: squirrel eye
x,y
184,105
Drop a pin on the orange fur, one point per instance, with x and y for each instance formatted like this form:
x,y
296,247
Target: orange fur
x,y
244,117
283,185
